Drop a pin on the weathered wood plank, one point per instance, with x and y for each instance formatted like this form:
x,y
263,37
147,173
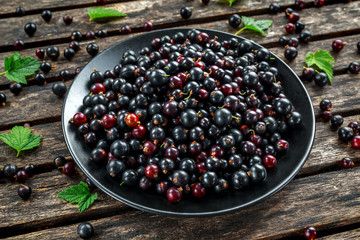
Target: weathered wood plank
x,y
166,14
323,200
352,234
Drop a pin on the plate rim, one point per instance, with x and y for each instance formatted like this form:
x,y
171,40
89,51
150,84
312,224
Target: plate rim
x,y
127,202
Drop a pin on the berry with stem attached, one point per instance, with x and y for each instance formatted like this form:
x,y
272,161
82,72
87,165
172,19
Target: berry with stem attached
x,y
290,28
325,105
346,162
308,74
2,99
173,195
294,17
67,19
59,161
290,53
337,45
131,119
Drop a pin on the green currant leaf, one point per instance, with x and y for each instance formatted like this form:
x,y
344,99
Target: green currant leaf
x,y
20,139
231,2
323,61
18,68
85,203
101,14
255,25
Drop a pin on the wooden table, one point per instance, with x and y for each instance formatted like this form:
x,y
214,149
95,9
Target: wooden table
x,y
323,194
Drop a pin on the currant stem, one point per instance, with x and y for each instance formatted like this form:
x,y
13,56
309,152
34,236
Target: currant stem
x,y
3,73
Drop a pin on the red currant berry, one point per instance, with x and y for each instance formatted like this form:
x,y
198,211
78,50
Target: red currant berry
x,y
355,142
173,195
269,161
310,233
326,116
40,53
108,121
203,94
148,26
319,3
152,171
19,44
346,162
131,119
226,89
198,190
79,119
337,45
97,88
290,28
68,168
149,148
200,167
21,176
172,153
138,131
126,29
202,38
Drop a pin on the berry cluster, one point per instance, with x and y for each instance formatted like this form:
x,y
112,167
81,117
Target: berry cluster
x,y
12,172
188,115
67,168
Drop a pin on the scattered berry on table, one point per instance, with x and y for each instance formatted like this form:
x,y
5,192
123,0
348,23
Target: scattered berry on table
x,y
45,67
310,233
336,121
20,11
308,74
92,49
40,53
102,33
90,35
345,134
15,88
234,20
21,176
321,79
283,41
18,44
319,3
305,36
30,29
185,12
59,161
274,8
290,28
29,169
76,35
126,29
24,191
148,26
59,89
10,170
299,26
67,19
173,194
85,229
337,45
2,99
46,15
293,42
40,78
325,105
290,53
69,53
346,162
300,4
74,45
294,17
354,67
52,52
68,168
65,75
326,115
355,142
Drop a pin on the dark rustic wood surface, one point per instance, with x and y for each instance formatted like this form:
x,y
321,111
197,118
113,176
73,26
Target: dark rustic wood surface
x,y
322,194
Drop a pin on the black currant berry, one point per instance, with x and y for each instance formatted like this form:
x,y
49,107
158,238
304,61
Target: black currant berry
x,y
53,52
85,230
30,29
235,20
15,88
59,89
69,53
185,12
46,15
24,191
92,49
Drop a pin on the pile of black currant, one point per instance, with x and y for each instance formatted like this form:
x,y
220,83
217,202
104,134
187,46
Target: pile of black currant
x,y
188,115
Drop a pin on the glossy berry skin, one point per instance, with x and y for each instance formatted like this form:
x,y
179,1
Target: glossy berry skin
x,y
29,169
59,161
300,4
138,131
40,53
299,26
354,67
15,88
173,195
355,142
59,89
321,79
274,8
305,36
290,28
92,49
235,20
20,11
67,19
294,17
68,168
198,190
2,99
345,134
126,29
293,42
46,15
288,11
69,53
148,26
108,121
102,33
269,161
326,115
85,230
310,233
10,170
152,171
336,121
308,74
325,105
78,119
283,41
52,52
346,162
131,119
257,173
18,44
185,12
76,35
337,45
90,35
319,3
21,176
24,191
290,53
45,67
30,29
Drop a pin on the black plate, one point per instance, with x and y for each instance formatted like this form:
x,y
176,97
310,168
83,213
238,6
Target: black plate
x,y
287,167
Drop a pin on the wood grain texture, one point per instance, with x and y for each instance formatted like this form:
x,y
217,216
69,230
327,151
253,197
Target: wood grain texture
x,y
166,14
353,234
324,200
